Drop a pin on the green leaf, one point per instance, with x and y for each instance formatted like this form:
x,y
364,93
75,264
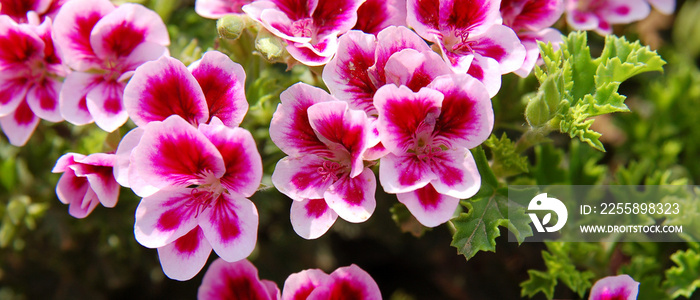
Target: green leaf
x,y
577,124
621,60
559,260
539,282
683,278
506,161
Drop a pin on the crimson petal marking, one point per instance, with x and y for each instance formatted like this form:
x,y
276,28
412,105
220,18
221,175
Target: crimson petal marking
x,y
104,102
621,287
69,187
335,17
344,131
392,40
456,172
353,198
166,216
233,280
624,11
581,20
20,44
402,174
500,43
117,34
303,177
163,88
428,206
18,10
485,69
172,153
349,282
424,17
311,218
72,29
13,90
346,74
296,9
19,125
72,99
231,226
299,285
375,15
97,168
466,118
405,116
42,98
415,69
290,129
223,84
475,16
81,207
241,158
531,15
186,256
215,9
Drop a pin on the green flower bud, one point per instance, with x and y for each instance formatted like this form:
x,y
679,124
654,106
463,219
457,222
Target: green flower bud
x,y
537,111
270,46
551,93
231,26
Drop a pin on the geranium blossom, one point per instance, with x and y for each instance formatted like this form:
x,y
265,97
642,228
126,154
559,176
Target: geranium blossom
x,y
203,178
621,287
600,15
86,182
235,280
30,78
30,11
428,133
470,36
349,282
326,142
104,44
311,28
375,15
215,9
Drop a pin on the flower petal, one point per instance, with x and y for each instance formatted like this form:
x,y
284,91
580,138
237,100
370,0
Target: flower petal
x,y
290,129
532,50
402,174
531,15
299,177
73,97
311,218
300,285
123,153
241,157
456,172
424,17
349,282
215,9
375,15
621,287
163,88
172,153
19,125
104,102
486,70
232,280
81,207
316,54
428,206
353,198
624,11
500,43
231,226
97,168
415,69
335,17
70,187
392,40
42,98
165,217
13,90
223,84
72,29
20,44
186,256
664,6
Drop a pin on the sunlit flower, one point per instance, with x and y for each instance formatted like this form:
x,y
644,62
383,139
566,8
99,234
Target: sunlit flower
x,y
86,182
326,142
428,133
235,280
30,11
600,15
621,287
203,177
31,75
311,28
470,36
344,283
215,9
374,16
104,44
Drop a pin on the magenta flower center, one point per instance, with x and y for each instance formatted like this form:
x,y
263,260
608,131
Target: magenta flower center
x,y
302,28
330,170
204,194
458,42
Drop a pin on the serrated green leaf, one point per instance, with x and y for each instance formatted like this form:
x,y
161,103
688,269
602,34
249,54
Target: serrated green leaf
x,y
577,124
621,59
539,282
506,161
559,260
683,278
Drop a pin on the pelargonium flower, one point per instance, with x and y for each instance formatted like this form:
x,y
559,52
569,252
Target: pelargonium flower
x,y
600,15
428,133
203,178
215,9
235,280
104,44
349,282
621,287
531,21
86,182
470,36
311,28
374,16
325,173
30,78
24,10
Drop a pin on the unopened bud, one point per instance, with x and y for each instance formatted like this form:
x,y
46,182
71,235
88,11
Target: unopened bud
x,y
537,111
551,94
231,26
270,46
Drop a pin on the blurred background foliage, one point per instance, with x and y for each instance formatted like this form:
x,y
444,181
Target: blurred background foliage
x,y
47,254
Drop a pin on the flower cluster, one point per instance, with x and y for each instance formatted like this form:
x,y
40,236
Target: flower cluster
x,y
600,15
239,280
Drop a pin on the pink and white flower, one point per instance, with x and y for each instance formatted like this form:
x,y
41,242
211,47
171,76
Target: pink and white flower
x,y
349,282
31,75
471,37
215,9
104,44
374,16
600,15
86,182
428,133
30,11
203,177
325,171
663,6
310,27
235,280
621,287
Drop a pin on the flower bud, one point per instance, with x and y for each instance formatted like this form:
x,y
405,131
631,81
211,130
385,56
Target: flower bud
x,y
270,46
537,111
231,26
551,94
